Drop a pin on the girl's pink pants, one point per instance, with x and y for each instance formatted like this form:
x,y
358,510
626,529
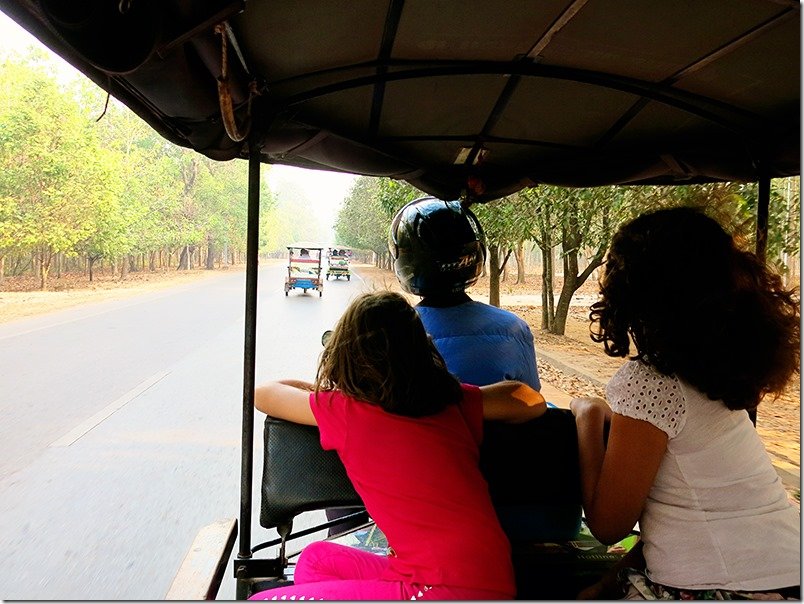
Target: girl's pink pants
x,y
330,571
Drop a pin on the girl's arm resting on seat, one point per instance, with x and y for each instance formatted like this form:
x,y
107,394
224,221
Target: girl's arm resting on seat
x,y
287,399
300,384
617,475
512,402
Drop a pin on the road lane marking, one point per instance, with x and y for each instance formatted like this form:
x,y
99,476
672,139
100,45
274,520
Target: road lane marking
x,y
87,425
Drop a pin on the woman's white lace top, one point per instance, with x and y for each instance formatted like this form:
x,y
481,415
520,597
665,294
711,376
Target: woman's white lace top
x,y
640,392
717,514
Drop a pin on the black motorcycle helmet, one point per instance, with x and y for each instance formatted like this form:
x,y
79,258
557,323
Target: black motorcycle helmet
x,y
438,247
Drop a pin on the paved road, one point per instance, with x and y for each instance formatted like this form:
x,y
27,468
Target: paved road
x,y
121,429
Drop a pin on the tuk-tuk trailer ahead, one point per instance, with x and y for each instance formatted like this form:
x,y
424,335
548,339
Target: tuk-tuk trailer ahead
x,y
304,268
338,261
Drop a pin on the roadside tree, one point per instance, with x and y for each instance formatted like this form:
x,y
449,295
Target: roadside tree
x,y
55,193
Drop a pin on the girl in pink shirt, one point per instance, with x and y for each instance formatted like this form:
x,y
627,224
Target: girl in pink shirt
x,y
408,434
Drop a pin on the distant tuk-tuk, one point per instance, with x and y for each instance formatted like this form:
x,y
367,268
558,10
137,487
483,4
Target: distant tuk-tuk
x,y
463,100
338,259
304,268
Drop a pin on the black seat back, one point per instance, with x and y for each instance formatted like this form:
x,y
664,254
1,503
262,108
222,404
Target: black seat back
x,y
531,468
299,476
534,476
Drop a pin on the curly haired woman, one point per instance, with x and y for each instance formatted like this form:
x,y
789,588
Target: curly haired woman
x,y
714,332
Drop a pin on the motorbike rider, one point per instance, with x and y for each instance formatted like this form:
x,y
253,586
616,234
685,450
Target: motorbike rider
x,y
439,251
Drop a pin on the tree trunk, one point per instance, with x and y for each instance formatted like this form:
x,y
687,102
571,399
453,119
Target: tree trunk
x,y
124,268
90,264
45,258
548,311
519,254
494,275
184,259
210,254
572,281
496,268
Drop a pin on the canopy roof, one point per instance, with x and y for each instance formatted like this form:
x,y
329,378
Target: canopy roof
x,y
455,95
304,245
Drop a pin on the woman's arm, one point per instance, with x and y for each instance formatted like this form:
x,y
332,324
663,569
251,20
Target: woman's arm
x,y
617,475
287,399
512,402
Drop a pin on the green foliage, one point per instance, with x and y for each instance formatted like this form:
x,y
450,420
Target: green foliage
x,y
734,205
367,211
509,220
53,168
71,183
784,222
363,221
393,194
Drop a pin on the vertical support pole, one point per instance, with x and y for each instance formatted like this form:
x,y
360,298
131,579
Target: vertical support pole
x,y
249,358
763,205
761,249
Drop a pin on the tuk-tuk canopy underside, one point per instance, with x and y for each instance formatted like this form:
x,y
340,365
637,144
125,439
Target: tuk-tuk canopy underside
x,y
450,95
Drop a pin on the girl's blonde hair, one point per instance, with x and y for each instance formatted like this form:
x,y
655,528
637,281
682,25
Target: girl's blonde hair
x,y
380,353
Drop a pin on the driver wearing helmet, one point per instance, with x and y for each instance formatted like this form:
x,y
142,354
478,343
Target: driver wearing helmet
x,y
438,250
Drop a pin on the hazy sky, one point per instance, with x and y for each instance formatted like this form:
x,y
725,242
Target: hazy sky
x,y
325,189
